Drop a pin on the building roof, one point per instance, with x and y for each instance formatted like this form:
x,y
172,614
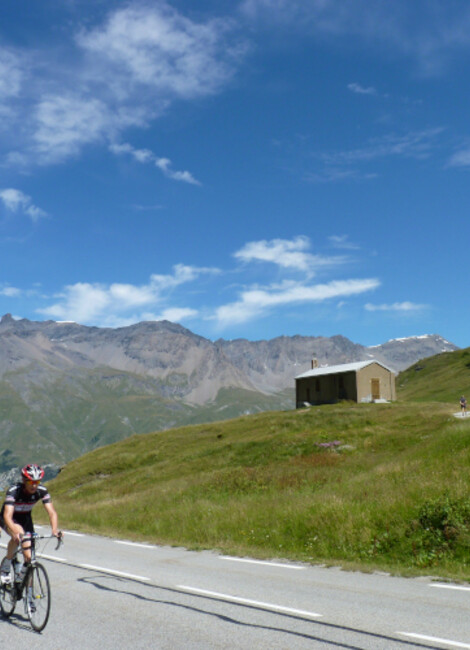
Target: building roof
x,y
344,367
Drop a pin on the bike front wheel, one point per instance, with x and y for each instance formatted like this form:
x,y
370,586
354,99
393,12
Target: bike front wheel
x,y
8,596
7,599
37,595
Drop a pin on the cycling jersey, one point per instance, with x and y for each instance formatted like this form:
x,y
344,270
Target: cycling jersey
x,y
23,503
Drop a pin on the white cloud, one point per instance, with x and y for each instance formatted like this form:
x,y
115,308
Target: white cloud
x,y
10,292
181,275
146,156
396,306
158,48
64,124
11,75
124,71
165,165
254,303
460,159
177,314
288,254
17,202
342,241
89,303
361,90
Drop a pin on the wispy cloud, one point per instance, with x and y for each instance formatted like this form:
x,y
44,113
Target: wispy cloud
x,y
361,90
16,201
292,257
171,296
460,158
98,303
64,124
11,75
158,48
349,164
125,71
254,303
342,242
336,175
429,34
177,314
414,144
146,156
396,306
10,292
289,254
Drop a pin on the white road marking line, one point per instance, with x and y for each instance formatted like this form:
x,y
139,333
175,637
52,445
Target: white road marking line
x,y
263,562
67,532
247,601
113,572
457,587
52,557
116,541
435,639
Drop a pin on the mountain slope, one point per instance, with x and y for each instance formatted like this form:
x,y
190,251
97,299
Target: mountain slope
x,y
441,378
66,388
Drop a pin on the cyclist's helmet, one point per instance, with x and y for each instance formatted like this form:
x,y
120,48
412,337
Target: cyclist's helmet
x,y
32,472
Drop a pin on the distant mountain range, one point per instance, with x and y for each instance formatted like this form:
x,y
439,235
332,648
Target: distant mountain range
x,y
66,388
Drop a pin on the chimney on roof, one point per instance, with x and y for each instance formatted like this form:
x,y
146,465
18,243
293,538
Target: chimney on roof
x,y
314,363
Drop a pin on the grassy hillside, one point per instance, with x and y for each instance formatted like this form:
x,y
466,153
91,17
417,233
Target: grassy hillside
x,y
443,378
370,485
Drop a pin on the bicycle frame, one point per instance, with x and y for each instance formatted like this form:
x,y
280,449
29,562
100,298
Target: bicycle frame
x,y
33,537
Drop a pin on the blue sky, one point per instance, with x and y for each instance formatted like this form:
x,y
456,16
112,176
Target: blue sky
x,y
248,168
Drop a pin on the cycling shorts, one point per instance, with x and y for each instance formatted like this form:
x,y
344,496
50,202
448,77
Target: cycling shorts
x,y
23,519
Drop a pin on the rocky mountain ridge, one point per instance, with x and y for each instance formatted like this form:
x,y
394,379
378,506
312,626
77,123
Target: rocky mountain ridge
x,y
194,367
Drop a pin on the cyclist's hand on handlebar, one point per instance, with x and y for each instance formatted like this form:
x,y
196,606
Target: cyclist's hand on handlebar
x,y
60,538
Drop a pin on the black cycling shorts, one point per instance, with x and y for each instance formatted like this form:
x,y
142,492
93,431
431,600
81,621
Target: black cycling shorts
x,y
23,519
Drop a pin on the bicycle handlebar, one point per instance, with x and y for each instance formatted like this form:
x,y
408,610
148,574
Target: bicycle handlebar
x,y
59,538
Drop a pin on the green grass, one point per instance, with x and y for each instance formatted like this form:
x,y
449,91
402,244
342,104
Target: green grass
x,y
392,495
443,378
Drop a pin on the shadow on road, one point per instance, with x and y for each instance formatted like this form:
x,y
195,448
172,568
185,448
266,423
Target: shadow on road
x,y
108,583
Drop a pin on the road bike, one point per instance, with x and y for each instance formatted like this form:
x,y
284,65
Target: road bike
x,y
33,587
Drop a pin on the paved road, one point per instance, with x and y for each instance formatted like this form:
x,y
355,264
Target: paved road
x,y
116,594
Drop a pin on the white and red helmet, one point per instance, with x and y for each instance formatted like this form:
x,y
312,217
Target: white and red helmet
x,y
32,472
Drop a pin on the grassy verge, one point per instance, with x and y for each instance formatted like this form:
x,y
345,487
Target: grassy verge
x,y
370,486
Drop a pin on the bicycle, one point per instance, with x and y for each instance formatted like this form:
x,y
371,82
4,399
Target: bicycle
x,y
34,587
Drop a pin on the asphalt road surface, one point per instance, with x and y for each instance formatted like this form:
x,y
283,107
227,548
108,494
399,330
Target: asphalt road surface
x,y
116,594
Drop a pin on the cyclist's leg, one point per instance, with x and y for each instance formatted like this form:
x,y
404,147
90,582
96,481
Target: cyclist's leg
x,y
28,530
5,566
12,545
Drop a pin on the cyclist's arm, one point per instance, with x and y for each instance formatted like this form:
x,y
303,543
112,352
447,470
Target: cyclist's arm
x,y
15,529
53,518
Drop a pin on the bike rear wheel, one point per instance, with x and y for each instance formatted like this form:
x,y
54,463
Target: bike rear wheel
x,y
8,596
37,595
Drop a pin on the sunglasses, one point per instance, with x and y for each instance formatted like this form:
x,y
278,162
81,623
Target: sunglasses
x,y
36,483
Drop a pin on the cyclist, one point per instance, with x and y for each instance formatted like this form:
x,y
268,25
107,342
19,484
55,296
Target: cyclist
x,y
15,515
